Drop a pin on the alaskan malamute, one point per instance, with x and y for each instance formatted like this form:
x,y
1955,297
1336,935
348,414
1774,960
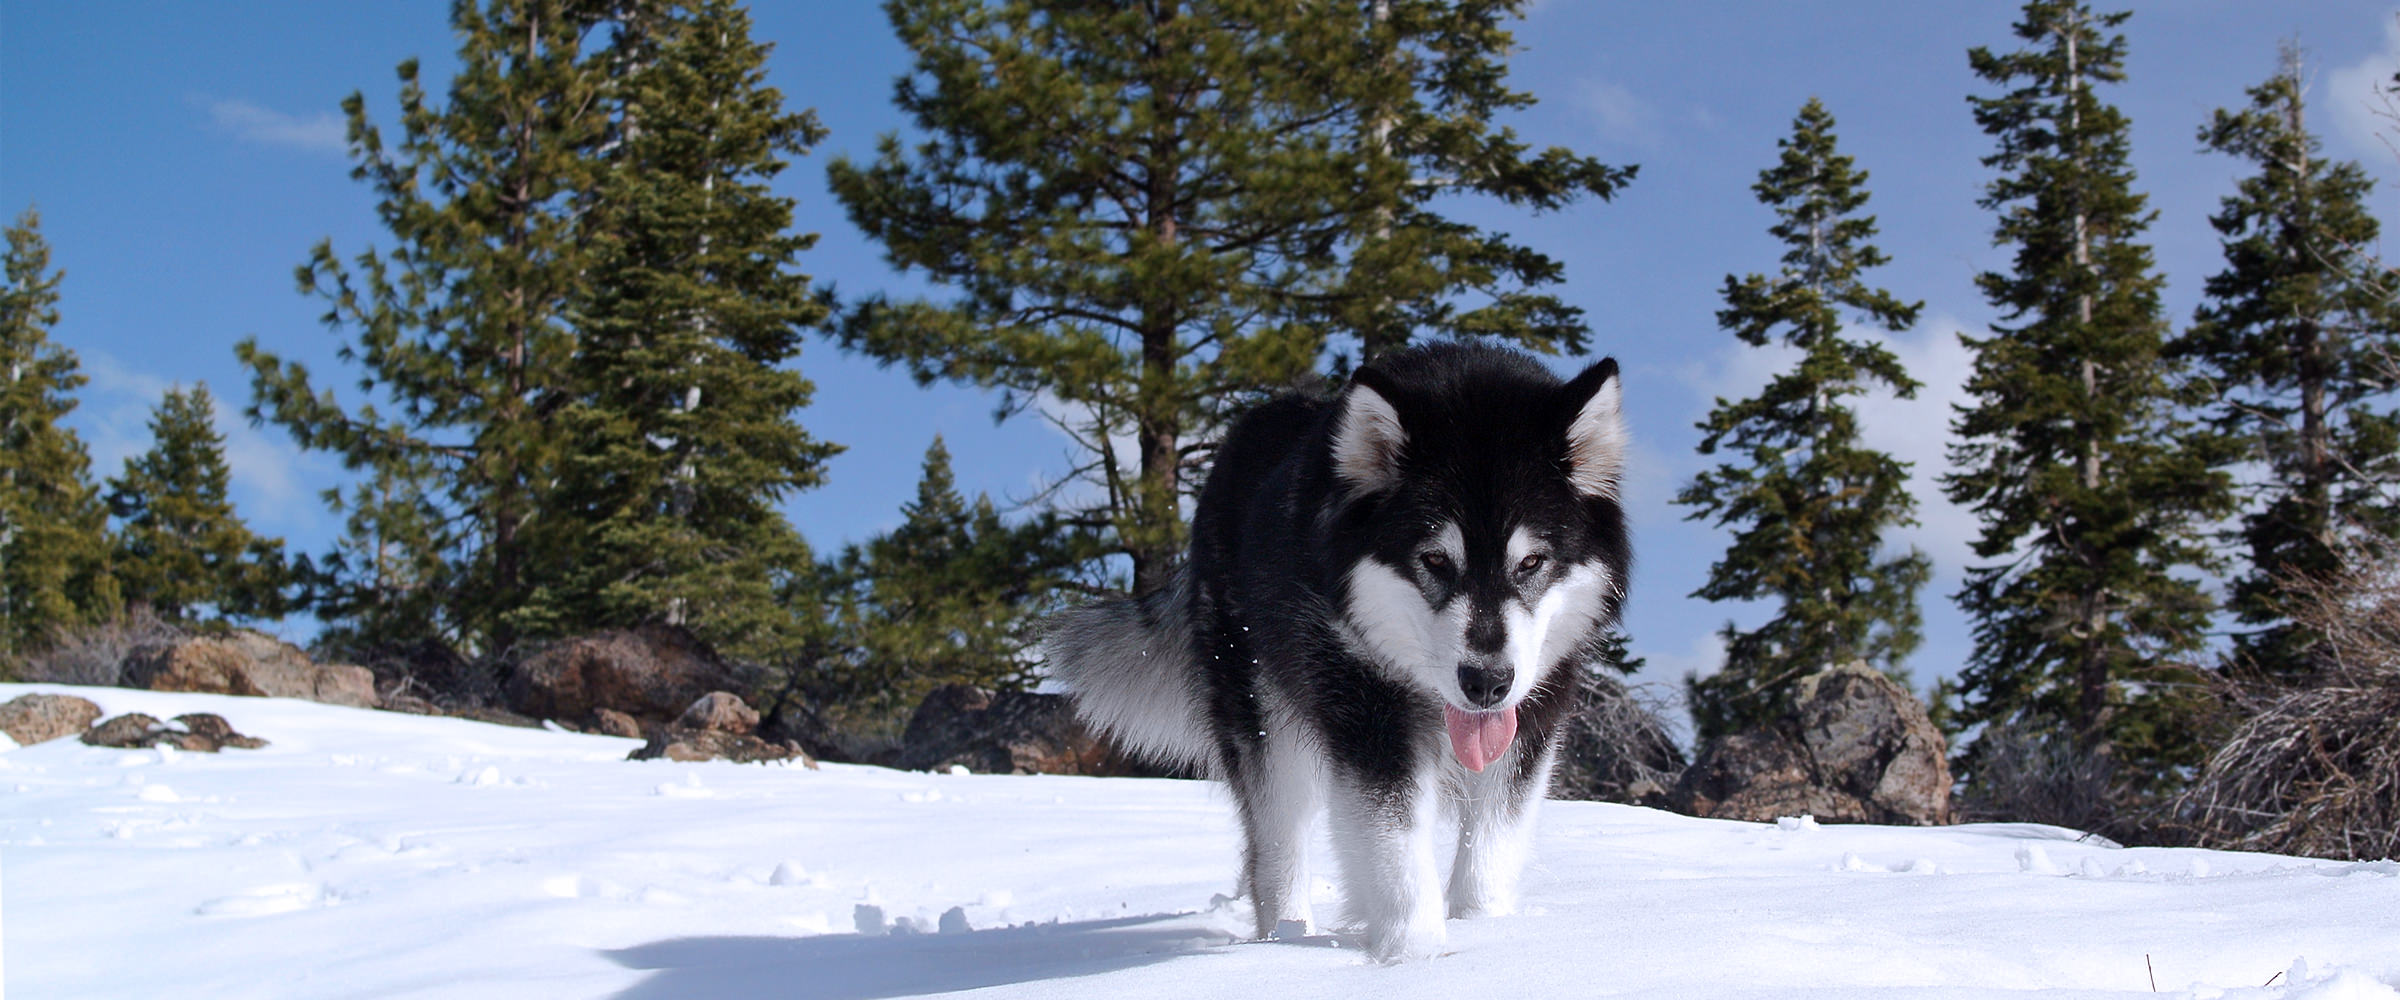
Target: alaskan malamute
x,y
1388,593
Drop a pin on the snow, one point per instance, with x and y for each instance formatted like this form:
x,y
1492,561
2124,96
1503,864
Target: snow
x,y
371,854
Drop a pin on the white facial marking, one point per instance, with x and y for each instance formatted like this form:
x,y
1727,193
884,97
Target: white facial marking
x,y
1596,443
1407,635
1367,440
1557,622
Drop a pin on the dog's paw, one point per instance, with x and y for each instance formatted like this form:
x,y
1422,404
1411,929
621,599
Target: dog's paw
x,y
1478,909
1401,941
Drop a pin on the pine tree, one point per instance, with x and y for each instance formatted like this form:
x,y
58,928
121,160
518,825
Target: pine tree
x,y
680,441
1156,212
386,584
53,528
463,329
180,545
2068,450
946,597
1810,503
2294,346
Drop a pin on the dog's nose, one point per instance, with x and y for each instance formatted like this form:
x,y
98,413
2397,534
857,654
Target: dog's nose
x,y
1485,686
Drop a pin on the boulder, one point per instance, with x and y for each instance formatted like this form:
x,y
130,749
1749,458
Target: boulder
x,y
721,712
247,663
652,673
208,732
40,718
610,722
684,743
199,732
1857,748
1006,732
1872,739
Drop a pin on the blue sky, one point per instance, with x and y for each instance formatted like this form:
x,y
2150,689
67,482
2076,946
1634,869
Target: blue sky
x,y
185,157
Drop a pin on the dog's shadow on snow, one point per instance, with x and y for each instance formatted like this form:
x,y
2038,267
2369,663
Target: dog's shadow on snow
x,y
857,967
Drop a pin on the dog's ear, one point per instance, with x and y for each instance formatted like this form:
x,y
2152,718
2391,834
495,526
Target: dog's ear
x,y
1367,436
1592,405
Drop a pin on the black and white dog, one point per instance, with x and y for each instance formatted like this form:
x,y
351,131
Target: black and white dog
x,y
1387,596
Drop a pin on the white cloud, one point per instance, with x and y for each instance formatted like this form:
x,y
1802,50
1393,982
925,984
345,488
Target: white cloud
x,y
1619,114
1913,430
270,475
2355,96
323,132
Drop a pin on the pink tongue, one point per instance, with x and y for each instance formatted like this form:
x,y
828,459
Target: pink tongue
x,y
1479,738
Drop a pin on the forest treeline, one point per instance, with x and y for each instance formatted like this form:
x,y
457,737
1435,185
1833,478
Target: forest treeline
x,y
569,401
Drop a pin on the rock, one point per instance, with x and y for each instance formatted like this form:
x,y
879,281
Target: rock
x,y
132,730
1006,732
684,743
40,718
1872,739
792,721
207,732
247,663
652,674
1858,748
610,722
199,732
722,712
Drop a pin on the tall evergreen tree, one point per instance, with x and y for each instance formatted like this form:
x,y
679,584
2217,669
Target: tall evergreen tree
x,y
1810,504
1156,211
180,545
463,327
53,528
947,597
680,441
2068,449
2295,348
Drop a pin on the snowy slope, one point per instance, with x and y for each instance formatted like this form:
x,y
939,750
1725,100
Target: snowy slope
x,y
367,854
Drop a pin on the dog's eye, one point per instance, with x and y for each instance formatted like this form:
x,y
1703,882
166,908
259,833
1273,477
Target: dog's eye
x,y
1436,563
1532,564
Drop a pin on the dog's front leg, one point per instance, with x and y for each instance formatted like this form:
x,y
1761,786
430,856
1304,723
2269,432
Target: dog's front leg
x,y
1383,839
1495,837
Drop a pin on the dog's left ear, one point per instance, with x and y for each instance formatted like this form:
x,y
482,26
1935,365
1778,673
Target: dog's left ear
x,y
1367,437
1592,408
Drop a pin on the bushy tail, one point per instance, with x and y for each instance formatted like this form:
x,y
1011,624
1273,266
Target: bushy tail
x,y
1129,666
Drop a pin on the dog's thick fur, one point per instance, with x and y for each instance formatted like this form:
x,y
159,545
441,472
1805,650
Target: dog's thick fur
x,y
1387,594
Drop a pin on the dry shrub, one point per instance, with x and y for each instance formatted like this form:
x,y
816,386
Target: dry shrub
x,y
95,654
1617,747
2314,768
2032,773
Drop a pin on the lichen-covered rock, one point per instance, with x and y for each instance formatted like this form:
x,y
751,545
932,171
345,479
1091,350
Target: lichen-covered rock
x,y
1871,739
40,718
1006,732
1858,748
199,732
722,712
652,674
610,722
683,743
247,663
132,730
208,732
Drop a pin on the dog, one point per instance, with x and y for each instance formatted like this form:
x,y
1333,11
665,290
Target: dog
x,y
1388,592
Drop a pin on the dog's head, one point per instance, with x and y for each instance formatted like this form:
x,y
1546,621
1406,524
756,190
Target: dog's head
x,y
1480,495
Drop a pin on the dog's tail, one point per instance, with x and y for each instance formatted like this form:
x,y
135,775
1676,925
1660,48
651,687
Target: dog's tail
x,y
1128,664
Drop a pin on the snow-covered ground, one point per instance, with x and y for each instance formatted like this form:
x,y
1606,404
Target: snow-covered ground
x,y
367,854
